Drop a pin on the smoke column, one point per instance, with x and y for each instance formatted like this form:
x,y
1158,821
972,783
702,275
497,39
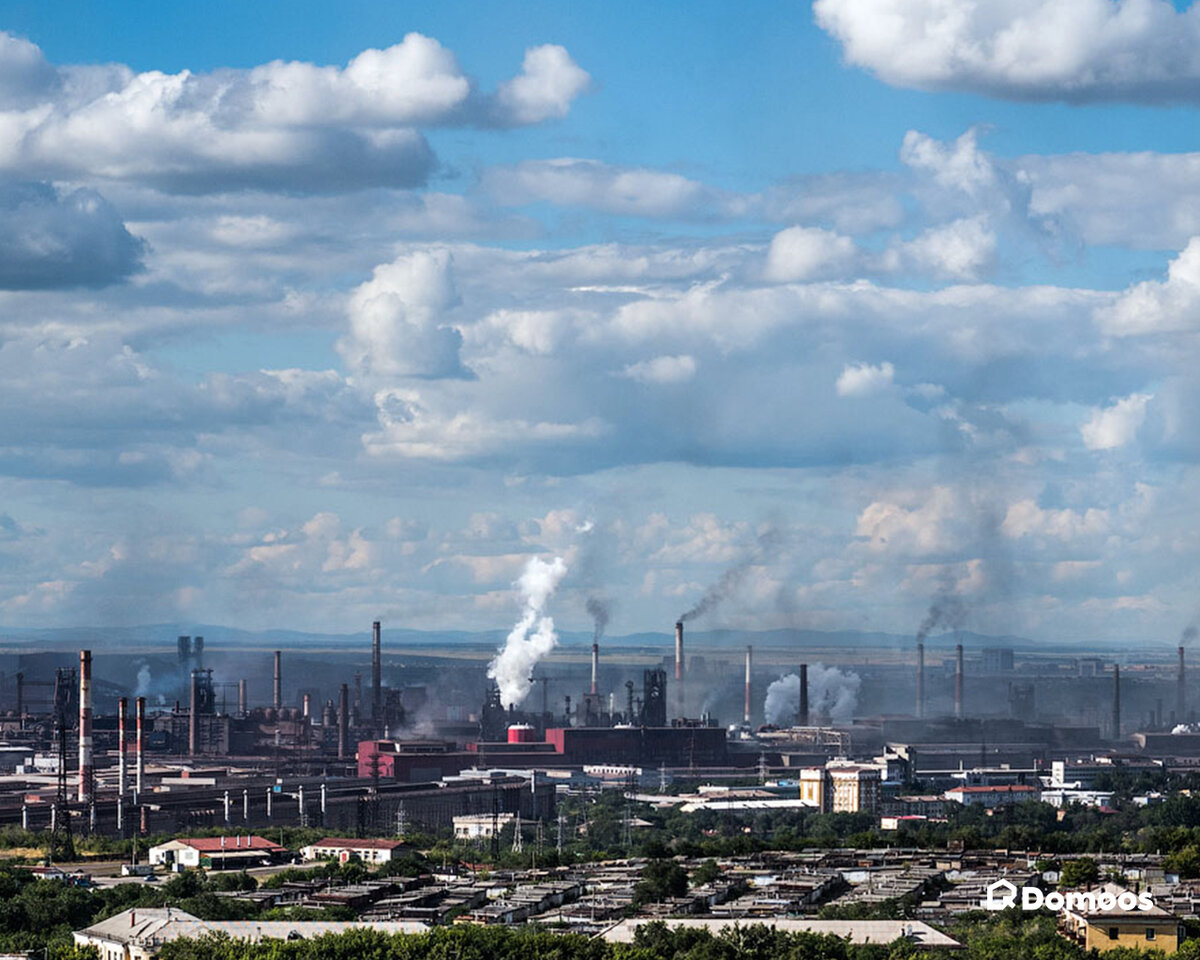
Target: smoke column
x,y
598,610
832,693
522,650
768,543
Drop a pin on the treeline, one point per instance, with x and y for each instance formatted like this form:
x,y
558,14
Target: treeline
x,y
1008,936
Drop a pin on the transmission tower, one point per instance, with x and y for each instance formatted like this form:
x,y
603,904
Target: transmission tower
x,y
517,844
62,844
401,820
561,820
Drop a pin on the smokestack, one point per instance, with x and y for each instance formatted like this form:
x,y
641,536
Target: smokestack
x,y
194,716
122,744
595,667
679,664
343,721
185,649
85,726
1116,717
958,682
920,680
749,666
307,706
1180,691
802,719
242,697
139,764
278,698
376,672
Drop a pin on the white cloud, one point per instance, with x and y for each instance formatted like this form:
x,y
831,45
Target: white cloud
x,y
624,191
1026,519
662,370
1075,50
397,320
277,126
1115,426
961,250
1155,306
544,89
863,379
808,253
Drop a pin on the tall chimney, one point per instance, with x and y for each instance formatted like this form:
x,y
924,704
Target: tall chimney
x,y
1180,692
139,763
343,732
749,666
277,700
920,680
802,719
958,681
376,672
595,667
679,664
304,712
85,726
122,744
242,697
1116,717
194,716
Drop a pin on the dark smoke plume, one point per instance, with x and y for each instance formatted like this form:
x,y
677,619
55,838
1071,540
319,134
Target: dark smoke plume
x,y
947,610
768,544
1190,632
599,609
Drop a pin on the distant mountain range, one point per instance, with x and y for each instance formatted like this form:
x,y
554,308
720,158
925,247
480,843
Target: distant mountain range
x,y
163,635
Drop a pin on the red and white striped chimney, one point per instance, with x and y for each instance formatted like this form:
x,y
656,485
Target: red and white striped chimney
x,y
595,667
122,744
85,726
139,763
749,666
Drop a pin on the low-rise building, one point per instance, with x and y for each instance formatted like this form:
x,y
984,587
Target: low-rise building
x,y
217,853
474,826
366,849
1104,930
996,795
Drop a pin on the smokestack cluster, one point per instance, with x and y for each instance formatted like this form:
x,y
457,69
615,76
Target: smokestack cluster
x,y
595,668
139,767
1116,717
802,719
920,680
958,681
277,700
122,744
749,667
1180,692
376,672
343,721
85,726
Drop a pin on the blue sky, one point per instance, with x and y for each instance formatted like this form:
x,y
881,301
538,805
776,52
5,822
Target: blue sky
x,y
311,314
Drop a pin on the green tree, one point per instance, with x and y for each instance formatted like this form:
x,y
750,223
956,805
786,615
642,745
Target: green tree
x,y
1079,873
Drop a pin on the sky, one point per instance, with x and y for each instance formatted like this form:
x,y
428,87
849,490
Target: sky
x,y
313,314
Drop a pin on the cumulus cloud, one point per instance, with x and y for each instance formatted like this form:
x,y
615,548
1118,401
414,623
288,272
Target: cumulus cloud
x,y
662,370
1159,306
549,80
51,238
961,250
863,379
1073,50
397,320
1115,426
278,126
808,253
1026,519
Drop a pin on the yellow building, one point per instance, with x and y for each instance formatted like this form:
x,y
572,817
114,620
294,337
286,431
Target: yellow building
x,y
841,787
1103,930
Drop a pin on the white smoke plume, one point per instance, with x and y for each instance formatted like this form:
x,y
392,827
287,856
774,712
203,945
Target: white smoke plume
x,y
512,667
143,681
832,693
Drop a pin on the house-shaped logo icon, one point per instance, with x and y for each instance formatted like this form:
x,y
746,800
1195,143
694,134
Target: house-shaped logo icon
x,y
1000,895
